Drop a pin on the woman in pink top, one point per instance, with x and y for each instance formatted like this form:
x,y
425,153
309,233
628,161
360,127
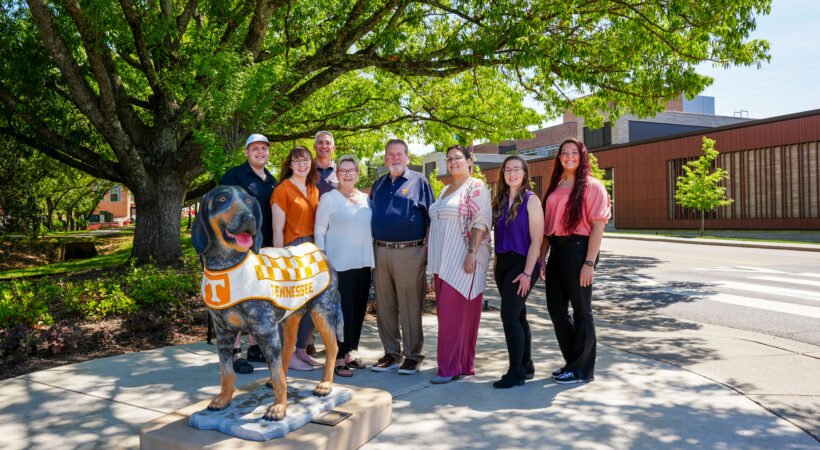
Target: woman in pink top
x,y
576,209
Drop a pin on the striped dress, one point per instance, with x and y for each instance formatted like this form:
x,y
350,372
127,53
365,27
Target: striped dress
x,y
447,248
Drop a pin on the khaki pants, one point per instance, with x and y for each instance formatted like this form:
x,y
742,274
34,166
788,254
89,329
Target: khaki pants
x,y
400,282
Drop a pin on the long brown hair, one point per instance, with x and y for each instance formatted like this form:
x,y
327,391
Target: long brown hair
x,y
576,198
502,193
287,171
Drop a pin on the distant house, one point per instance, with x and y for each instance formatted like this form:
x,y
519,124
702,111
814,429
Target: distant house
x,y
116,209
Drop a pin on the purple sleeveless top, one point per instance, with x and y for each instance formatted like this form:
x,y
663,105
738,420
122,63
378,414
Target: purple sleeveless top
x,y
514,236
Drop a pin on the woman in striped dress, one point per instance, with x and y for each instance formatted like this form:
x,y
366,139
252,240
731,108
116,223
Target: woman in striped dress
x,y
458,256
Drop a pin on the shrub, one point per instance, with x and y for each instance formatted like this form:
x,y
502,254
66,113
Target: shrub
x,y
21,305
59,338
19,342
158,322
97,299
149,285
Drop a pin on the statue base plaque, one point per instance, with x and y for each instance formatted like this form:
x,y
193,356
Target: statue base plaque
x,y
370,412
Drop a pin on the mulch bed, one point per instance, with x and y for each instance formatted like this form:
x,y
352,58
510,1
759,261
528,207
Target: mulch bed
x,y
122,341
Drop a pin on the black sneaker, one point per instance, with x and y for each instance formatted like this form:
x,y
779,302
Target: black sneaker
x,y
255,354
240,365
557,372
570,377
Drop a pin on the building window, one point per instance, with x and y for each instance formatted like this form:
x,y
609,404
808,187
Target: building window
x,y
429,168
765,183
507,149
115,194
600,137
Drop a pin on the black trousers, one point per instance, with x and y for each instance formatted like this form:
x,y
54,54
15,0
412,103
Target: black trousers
x,y
576,333
354,287
513,306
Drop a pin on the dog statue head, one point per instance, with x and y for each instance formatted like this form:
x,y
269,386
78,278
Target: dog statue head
x,y
226,227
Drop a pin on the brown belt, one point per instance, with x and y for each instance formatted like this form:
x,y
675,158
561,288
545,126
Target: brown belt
x,y
399,244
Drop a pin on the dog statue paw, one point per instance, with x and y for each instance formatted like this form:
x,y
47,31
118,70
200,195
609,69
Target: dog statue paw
x,y
275,413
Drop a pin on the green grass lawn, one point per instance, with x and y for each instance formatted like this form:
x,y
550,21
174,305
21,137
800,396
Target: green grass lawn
x,y
113,259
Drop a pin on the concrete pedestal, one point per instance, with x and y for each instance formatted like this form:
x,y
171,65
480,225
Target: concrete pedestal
x,y
371,413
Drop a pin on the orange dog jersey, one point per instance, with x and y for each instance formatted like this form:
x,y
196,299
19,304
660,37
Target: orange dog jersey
x,y
289,277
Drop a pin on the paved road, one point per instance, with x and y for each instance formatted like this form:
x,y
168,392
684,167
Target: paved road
x,y
775,292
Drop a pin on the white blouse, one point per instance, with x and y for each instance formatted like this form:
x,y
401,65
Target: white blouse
x,y
447,250
342,230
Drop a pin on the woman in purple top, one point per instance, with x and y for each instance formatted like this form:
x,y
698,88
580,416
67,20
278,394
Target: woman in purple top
x,y
519,229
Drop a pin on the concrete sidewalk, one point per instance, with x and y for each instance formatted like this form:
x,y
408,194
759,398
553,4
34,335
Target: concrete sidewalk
x,y
696,398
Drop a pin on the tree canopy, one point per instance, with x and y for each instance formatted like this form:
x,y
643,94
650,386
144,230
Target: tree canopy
x,y
158,95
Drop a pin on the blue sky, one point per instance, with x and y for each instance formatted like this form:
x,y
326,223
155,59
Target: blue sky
x,y
789,83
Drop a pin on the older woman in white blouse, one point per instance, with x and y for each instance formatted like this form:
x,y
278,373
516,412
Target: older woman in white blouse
x,y
458,255
342,231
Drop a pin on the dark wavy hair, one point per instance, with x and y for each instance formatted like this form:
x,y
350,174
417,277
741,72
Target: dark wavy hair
x,y
502,193
468,155
576,197
297,151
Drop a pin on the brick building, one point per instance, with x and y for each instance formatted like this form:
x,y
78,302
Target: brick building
x,y
115,209
774,168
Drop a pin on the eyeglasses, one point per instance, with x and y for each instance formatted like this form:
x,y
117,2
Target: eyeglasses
x,y
513,170
570,153
456,159
301,162
344,173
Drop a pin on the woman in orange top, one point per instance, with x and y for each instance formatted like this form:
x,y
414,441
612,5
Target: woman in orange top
x,y
294,204
576,209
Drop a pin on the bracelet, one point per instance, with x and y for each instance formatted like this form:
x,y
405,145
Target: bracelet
x,y
528,275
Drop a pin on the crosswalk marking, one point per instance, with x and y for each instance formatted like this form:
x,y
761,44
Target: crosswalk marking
x,y
762,288
788,280
781,307
739,269
642,281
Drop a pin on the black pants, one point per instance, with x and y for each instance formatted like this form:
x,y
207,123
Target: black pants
x,y
513,306
576,333
354,287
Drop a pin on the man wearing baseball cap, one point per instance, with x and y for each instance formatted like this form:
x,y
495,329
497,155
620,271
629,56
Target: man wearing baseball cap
x,y
255,178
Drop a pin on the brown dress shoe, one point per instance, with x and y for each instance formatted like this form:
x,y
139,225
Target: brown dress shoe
x,y
409,367
386,363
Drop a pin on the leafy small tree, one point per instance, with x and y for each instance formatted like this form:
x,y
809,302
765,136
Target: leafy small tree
x,y
435,183
599,174
699,186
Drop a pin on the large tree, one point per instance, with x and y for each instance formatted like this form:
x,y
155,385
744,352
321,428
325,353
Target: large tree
x,y
159,94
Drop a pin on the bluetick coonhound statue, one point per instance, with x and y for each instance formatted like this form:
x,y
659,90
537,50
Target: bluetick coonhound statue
x,y
251,289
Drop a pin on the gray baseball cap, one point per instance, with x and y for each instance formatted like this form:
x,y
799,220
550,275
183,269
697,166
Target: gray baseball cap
x,y
256,137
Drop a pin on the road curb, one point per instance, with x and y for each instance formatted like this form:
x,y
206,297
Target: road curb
x,y
718,242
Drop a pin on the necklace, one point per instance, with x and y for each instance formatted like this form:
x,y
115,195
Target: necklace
x,y
349,195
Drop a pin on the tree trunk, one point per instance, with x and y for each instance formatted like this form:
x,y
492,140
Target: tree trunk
x,y
69,215
702,215
159,216
49,214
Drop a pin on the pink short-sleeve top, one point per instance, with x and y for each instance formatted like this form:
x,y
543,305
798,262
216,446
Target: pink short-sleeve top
x,y
596,207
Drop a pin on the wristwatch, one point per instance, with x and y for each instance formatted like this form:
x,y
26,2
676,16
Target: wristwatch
x,y
469,250
590,263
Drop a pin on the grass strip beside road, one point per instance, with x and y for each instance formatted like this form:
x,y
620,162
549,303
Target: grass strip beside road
x,y
766,236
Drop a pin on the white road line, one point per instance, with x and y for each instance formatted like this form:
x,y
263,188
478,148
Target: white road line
x,y
642,281
781,307
743,269
788,280
762,288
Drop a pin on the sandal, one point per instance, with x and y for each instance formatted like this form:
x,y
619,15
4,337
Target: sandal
x,y
356,364
343,371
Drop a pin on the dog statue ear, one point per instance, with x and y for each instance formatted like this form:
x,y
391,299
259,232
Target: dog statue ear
x,y
257,214
200,234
